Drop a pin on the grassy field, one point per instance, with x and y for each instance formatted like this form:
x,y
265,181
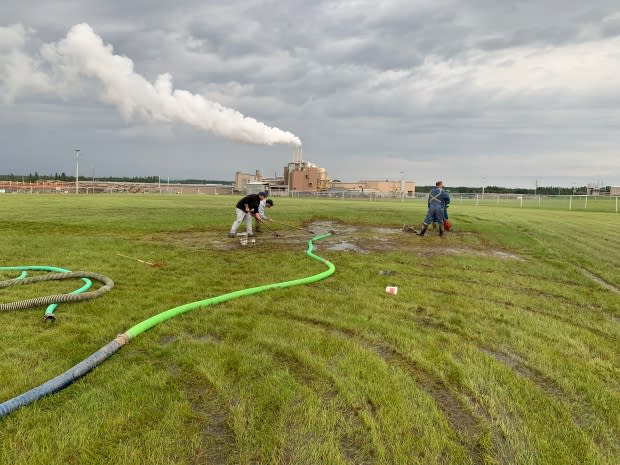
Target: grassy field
x,y
501,346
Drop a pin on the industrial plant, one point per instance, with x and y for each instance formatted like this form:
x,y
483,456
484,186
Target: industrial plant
x,y
304,177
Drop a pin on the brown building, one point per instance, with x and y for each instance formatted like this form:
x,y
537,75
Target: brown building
x,y
243,179
305,177
614,190
385,187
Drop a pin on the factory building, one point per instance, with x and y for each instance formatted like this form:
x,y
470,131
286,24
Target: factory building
x,y
407,188
304,176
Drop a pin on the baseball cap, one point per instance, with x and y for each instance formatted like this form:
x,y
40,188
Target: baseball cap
x,y
263,194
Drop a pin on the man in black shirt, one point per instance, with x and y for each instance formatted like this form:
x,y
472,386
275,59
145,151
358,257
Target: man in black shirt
x,y
247,208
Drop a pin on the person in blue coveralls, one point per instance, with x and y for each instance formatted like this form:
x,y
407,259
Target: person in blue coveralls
x,y
438,201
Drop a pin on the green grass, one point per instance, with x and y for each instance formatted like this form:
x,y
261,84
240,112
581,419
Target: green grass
x,y
501,346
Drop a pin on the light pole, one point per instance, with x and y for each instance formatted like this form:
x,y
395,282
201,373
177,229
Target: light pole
x,y
402,186
77,170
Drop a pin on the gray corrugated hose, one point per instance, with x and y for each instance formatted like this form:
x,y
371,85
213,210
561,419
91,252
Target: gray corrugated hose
x,y
59,298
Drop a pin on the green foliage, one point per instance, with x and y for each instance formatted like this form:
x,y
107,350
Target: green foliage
x,y
138,179
500,347
540,190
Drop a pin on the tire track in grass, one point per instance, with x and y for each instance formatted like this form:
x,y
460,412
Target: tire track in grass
x,y
351,443
598,280
507,304
509,284
577,410
469,428
519,367
217,438
603,256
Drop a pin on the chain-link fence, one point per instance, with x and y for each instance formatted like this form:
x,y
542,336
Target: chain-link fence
x,y
603,203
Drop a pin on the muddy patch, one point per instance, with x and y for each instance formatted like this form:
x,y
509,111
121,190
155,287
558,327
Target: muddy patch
x,y
388,231
345,246
321,227
345,238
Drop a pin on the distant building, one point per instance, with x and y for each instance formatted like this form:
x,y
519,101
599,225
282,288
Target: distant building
x,y
254,187
242,179
384,187
614,190
304,176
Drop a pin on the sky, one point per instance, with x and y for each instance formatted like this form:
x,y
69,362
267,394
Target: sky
x,y
473,92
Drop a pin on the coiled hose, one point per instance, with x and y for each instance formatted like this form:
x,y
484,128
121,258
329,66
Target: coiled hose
x,y
85,366
49,311
57,298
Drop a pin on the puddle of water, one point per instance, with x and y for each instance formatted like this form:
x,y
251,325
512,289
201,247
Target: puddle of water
x,y
325,226
344,246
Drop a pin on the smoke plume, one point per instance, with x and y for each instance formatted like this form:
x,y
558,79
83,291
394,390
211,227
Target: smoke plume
x,y
82,55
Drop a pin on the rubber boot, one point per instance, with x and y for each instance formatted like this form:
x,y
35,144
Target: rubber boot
x,y
440,229
423,230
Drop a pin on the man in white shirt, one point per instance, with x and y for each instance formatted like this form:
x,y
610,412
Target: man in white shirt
x,y
262,206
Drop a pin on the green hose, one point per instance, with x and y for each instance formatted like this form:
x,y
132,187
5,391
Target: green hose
x,y
49,311
89,363
155,320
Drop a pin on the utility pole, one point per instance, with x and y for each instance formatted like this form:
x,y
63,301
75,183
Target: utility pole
x,y
77,170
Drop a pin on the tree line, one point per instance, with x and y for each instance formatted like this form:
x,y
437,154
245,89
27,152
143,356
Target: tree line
x,y
540,190
136,179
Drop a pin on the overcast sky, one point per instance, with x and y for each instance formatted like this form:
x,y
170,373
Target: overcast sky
x,y
474,92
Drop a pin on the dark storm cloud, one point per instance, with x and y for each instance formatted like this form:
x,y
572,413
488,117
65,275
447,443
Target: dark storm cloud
x,y
476,83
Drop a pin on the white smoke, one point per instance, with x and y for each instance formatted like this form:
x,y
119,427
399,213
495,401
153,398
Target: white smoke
x,y
82,55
